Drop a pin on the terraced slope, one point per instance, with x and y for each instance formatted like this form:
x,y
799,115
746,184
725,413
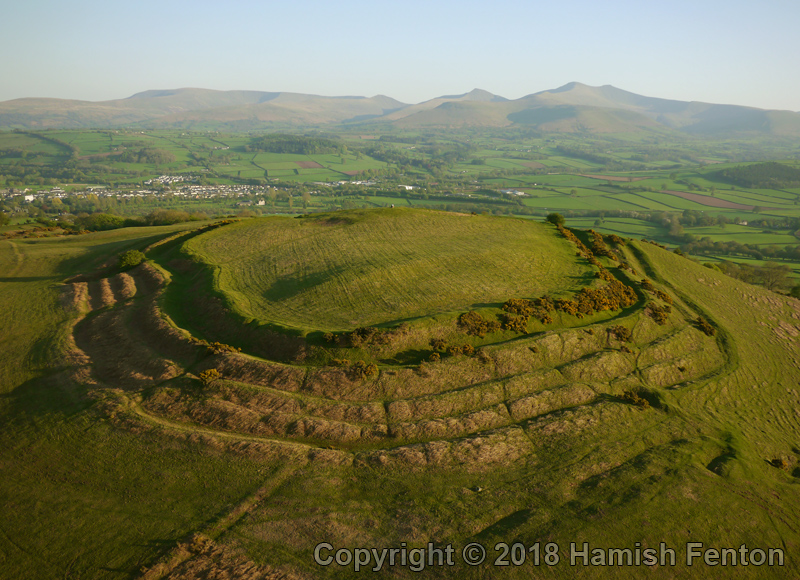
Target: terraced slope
x,y
415,414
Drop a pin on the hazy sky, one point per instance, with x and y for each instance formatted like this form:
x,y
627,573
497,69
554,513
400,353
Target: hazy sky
x,y
723,51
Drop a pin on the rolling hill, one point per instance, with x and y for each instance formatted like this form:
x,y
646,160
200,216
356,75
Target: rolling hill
x,y
223,410
194,108
574,108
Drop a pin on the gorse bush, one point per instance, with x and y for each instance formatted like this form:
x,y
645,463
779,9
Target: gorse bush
x,y
476,325
438,344
658,313
615,239
599,246
130,259
663,296
371,336
362,370
518,324
209,376
703,325
621,333
634,398
604,275
220,348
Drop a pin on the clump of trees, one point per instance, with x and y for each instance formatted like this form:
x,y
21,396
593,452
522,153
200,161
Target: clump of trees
x,y
771,175
556,219
296,144
147,155
771,275
131,259
97,222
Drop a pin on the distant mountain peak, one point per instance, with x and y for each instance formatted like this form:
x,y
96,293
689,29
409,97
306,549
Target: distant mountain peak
x,y
567,87
474,95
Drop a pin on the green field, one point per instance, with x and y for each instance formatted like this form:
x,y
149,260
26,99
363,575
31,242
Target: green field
x,y
308,273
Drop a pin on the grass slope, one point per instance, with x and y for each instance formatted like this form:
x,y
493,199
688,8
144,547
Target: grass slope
x,y
377,266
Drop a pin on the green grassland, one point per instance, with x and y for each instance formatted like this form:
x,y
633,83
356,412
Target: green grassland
x,y
82,499
313,275
114,454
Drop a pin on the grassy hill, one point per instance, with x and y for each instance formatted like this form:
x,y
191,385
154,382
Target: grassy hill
x,y
620,427
382,266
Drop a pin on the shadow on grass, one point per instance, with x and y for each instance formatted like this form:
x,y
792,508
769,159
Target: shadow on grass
x,y
506,526
408,357
51,394
29,278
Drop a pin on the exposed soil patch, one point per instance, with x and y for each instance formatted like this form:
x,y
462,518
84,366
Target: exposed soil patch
x,y
615,178
123,286
308,165
499,447
73,296
255,372
709,201
100,294
117,358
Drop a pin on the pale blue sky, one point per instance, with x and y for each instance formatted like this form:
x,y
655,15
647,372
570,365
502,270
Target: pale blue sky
x,y
724,51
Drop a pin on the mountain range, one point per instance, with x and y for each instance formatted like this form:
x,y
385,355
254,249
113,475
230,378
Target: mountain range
x,y
573,108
